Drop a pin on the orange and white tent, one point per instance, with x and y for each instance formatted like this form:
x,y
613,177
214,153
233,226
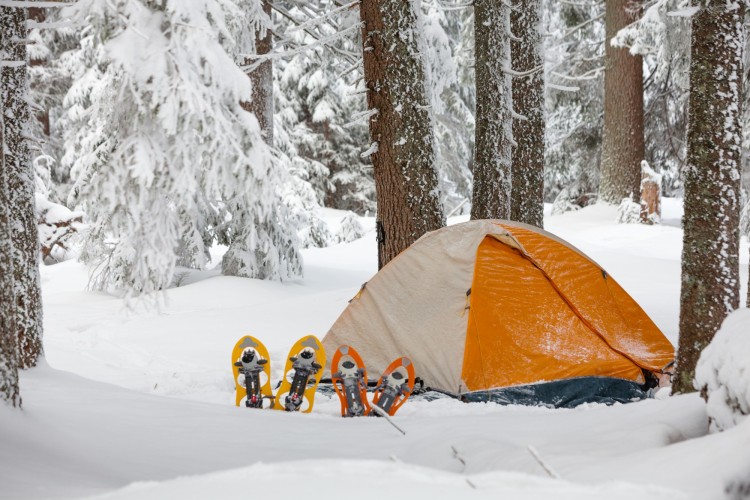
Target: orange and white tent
x,y
487,306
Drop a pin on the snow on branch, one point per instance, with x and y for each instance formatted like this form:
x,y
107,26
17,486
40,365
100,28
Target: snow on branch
x,y
322,41
320,19
25,4
283,40
580,4
589,75
562,88
32,24
446,6
370,151
359,117
582,25
686,12
350,68
510,71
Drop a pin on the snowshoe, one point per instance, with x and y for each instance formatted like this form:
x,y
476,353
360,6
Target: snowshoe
x,y
252,373
349,379
394,387
301,375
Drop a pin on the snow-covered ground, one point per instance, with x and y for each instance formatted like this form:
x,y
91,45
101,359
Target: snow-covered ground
x,y
140,404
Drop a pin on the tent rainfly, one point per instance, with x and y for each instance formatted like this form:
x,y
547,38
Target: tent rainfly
x,y
503,311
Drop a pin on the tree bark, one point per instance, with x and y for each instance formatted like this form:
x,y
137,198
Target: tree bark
x,y
8,348
408,201
8,341
493,133
710,253
28,300
623,146
527,54
650,197
261,104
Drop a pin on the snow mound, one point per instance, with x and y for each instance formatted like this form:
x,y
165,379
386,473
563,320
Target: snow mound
x,y
372,479
350,229
722,373
629,212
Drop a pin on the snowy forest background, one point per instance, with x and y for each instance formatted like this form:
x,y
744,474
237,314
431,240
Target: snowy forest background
x,y
151,144
152,131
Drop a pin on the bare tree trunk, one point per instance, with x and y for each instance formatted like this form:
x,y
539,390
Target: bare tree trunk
x,y
261,77
8,348
710,253
21,188
650,196
493,134
8,341
527,51
403,158
623,146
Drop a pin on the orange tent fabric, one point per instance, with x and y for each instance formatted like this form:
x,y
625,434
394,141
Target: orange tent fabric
x,y
492,304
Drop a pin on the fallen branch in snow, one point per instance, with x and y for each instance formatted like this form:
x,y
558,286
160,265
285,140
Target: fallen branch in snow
x,y
458,457
383,414
539,460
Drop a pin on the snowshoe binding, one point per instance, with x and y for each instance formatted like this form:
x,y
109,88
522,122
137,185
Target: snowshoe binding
x,y
252,373
349,378
394,387
301,375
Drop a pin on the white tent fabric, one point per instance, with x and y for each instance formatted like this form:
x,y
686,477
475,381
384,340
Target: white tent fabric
x,y
435,274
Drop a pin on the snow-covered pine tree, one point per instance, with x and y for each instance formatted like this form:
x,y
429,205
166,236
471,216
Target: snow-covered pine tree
x,y
165,155
450,80
400,127
20,186
317,136
494,135
574,53
623,148
51,52
527,56
8,340
319,117
710,255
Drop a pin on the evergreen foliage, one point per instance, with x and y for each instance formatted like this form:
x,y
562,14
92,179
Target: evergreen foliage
x,y
163,156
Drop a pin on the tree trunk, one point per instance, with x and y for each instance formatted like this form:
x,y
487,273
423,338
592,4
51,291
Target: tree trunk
x,y
493,134
623,146
28,300
527,54
408,201
710,253
8,348
261,77
650,196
